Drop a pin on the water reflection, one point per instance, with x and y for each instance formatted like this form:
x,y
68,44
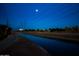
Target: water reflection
x,y
53,46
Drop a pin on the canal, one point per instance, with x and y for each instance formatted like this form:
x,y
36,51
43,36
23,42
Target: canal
x,y
54,46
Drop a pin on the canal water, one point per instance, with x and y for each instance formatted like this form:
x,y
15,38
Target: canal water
x,y
54,46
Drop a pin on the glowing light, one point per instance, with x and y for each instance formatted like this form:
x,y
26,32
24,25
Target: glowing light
x,y
21,29
36,10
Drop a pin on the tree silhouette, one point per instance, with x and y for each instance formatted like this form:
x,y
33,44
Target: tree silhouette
x,y
38,30
4,31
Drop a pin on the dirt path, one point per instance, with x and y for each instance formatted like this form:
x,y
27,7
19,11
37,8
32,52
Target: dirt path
x,y
19,46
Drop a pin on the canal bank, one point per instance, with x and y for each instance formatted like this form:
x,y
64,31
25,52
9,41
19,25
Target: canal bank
x,y
17,45
54,47
66,37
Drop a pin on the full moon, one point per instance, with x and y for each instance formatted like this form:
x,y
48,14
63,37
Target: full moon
x,y
36,10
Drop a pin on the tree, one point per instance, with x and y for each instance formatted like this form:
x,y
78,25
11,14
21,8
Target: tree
x,y
75,28
4,31
38,30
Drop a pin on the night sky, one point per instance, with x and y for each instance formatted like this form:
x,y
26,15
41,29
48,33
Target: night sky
x,y
39,15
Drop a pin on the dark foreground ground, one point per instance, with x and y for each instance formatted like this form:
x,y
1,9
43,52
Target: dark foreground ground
x,y
15,45
18,46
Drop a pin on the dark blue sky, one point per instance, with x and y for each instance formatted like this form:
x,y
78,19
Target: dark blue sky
x,y
49,15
